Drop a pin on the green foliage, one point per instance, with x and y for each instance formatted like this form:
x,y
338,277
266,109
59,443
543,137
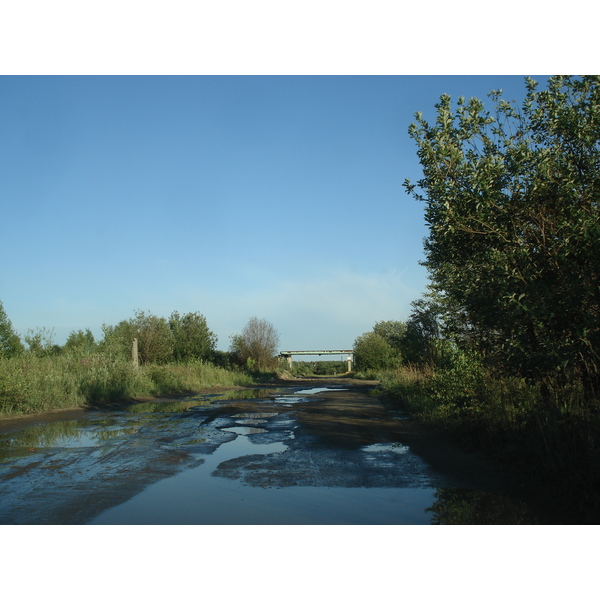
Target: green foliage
x,y
40,341
80,342
372,351
10,343
192,339
514,245
31,383
460,384
155,341
393,332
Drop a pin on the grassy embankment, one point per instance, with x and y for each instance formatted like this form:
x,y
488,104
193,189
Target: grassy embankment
x,y
33,384
551,453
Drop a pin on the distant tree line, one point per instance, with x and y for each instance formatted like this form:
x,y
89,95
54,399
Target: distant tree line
x,y
179,339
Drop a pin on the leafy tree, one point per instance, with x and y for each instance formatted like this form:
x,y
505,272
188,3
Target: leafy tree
x,y
155,342
393,332
80,342
40,341
514,244
191,337
423,331
257,344
10,343
372,351
118,339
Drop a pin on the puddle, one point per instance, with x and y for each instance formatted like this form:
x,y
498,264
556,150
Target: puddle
x,y
64,434
218,467
244,430
250,394
303,395
311,391
196,496
253,418
193,496
166,407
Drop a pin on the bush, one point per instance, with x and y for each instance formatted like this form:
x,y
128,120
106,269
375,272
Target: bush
x,y
372,351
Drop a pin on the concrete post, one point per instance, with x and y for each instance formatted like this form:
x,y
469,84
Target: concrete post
x,y
134,353
349,363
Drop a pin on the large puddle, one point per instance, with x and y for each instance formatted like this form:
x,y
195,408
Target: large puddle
x,y
241,458
197,496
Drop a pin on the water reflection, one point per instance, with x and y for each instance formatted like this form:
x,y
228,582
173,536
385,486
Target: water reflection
x,y
244,430
245,465
196,496
63,434
249,394
165,407
459,506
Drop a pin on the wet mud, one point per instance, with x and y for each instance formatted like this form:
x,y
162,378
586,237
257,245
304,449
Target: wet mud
x,y
301,452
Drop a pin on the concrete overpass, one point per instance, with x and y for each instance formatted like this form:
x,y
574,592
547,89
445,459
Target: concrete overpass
x,y
289,353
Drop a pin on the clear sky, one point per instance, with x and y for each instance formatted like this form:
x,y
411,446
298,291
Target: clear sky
x,y
235,196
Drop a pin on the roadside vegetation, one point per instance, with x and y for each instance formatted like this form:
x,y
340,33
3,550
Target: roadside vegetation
x,y
502,352
318,368
175,356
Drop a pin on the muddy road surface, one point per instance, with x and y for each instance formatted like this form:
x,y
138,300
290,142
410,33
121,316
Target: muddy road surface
x,y
297,452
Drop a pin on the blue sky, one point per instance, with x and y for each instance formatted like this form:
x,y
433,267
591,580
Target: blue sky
x,y
272,196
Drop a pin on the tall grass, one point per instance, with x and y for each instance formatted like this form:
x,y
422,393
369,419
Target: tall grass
x,y
31,384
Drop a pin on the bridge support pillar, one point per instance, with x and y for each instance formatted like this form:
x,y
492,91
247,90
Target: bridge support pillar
x,y
349,363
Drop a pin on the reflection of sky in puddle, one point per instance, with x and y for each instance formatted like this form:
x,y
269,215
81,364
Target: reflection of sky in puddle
x,y
250,421
319,390
244,430
194,496
302,395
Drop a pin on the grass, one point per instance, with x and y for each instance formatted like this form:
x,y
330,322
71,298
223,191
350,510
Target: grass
x,y
32,384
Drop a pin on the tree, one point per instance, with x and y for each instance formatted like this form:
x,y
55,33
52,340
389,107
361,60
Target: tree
x,y
10,343
514,227
192,339
423,330
155,343
372,351
80,342
393,332
257,342
40,341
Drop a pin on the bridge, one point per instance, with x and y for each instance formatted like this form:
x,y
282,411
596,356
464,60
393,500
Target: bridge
x,y
289,353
